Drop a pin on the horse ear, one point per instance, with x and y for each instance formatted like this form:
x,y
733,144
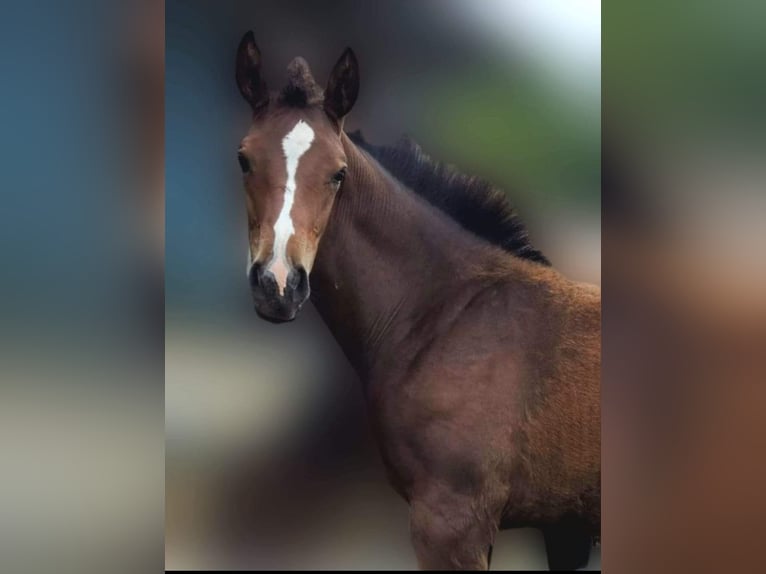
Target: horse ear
x,y
342,87
249,79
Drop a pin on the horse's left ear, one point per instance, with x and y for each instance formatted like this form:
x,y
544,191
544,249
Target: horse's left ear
x,y
342,87
249,79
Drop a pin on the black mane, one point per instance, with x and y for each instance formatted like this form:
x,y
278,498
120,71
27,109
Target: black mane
x,y
474,203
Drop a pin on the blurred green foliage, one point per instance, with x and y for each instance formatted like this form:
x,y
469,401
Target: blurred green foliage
x,y
515,128
684,69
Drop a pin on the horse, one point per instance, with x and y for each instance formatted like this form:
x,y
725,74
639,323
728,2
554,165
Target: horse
x,y
479,362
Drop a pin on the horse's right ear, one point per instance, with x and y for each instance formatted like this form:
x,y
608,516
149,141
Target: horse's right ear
x,y
342,87
249,79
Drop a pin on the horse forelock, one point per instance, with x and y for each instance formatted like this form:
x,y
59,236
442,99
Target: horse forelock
x,y
301,89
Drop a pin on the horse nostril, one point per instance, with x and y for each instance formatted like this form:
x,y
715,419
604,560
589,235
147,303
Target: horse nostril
x,y
254,275
301,288
294,278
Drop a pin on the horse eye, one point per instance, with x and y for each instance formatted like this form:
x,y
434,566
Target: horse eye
x,y
243,162
340,176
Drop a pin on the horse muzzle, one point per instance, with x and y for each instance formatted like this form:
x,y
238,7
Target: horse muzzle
x,y
274,303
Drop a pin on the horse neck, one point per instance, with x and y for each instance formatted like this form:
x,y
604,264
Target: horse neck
x,y
386,255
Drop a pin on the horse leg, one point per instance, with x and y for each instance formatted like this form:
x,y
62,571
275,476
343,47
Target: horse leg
x,y
450,535
567,544
489,556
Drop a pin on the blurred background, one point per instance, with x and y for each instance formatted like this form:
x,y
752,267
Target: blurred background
x,y
684,329
81,286
82,433
269,461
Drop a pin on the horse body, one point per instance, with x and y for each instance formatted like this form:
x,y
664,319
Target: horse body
x,y
481,369
480,362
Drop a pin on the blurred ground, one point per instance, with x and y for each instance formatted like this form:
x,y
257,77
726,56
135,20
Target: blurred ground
x,y
270,466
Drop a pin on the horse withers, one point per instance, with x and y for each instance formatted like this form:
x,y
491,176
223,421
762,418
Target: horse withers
x,y
480,363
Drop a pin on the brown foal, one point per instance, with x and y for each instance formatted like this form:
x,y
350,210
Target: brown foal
x,y
480,363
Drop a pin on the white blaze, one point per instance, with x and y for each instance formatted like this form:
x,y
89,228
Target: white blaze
x,y
294,145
